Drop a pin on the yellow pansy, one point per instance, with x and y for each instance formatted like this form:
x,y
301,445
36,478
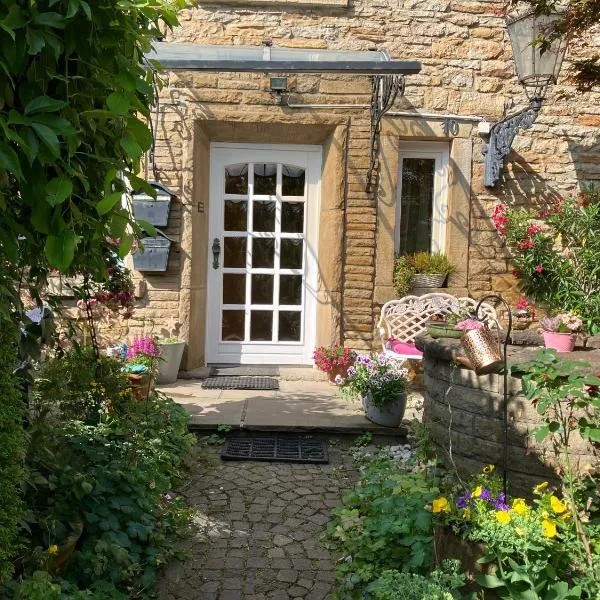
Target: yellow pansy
x,y
565,516
520,531
538,489
53,549
549,528
520,506
477,491
441,505
556,505
488,469
503,517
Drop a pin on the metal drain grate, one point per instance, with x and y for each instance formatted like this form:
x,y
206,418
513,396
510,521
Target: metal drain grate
x,y
240,383
294,449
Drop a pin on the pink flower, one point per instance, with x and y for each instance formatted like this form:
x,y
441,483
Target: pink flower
x,y
525,244
469,324
533,229
539,268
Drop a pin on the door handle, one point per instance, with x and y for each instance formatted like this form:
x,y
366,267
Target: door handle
x,y
216,250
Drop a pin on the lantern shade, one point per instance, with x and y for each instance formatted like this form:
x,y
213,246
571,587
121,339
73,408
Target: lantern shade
x,y
536,68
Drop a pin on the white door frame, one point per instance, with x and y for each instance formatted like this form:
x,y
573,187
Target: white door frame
x,y
247,352
440,152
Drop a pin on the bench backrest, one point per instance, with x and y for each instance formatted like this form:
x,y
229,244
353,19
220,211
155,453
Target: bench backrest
x,y
404,319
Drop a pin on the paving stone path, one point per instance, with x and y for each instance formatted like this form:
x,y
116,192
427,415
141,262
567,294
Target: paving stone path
x,y
258,529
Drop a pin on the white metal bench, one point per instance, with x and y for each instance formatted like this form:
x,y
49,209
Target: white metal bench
x,y
405,318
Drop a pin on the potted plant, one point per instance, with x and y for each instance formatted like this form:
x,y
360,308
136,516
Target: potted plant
x,y
560,331
141,365
523,314
380,383
430,270
446,325
171,353
333,360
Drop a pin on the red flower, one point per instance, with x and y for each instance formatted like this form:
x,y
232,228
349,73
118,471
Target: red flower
x,y
533,229
516,273
499,219
539,268
526,243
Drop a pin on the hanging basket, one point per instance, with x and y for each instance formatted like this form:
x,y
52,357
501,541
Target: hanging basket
x,y
434,280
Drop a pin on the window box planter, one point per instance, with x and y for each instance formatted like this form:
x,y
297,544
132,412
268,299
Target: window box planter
x,y
153,210
155,255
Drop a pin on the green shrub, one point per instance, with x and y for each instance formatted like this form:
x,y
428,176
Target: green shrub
x,y
430,264
403,273
13,442
383,525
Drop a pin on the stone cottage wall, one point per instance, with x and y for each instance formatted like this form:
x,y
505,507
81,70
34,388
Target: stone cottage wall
x,y
467,70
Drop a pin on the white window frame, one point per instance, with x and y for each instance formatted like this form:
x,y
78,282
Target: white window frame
x,y
440,152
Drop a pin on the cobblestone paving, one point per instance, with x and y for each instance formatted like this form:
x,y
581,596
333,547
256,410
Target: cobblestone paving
x,y
258,529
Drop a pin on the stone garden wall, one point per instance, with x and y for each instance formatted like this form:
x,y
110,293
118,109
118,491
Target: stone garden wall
x,y
467,70
464,414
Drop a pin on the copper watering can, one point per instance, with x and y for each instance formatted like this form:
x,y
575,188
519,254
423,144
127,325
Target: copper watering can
x,y
483,351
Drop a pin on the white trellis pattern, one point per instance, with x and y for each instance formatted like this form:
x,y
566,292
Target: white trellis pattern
x,y
404,319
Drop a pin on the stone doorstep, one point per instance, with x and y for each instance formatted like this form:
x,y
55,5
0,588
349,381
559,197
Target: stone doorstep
x,y
286,373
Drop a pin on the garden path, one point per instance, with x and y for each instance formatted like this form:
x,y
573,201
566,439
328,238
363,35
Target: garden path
x,y
257,529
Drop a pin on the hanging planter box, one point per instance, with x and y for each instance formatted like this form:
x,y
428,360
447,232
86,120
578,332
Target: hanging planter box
x,y
153,210
155,255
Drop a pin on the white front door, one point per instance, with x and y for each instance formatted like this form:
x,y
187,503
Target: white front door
x,y
262,271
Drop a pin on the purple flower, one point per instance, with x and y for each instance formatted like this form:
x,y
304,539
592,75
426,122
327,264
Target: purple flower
x,y
486,495
463,501
500,502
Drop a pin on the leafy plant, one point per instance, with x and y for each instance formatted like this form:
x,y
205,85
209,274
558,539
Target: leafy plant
x,y
384,524
556,253
378,375
562,323
430,264
403,274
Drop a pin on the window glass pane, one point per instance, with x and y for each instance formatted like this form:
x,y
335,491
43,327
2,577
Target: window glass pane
x,y
262,289
263,216
236,215
290,289
291,254
290,326
234,288
236,179
292,181
232,329
265,178
234,250
261,325
263,253
416,204
292,217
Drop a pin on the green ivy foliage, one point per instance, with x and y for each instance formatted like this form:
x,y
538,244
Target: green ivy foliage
x,y
13,442
73,86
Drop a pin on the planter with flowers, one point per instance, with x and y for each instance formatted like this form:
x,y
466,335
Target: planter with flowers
x,y
559,332
379,382
141,365
333,360
523,314
524,547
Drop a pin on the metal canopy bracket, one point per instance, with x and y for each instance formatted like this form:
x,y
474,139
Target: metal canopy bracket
x,y
384,90
502,135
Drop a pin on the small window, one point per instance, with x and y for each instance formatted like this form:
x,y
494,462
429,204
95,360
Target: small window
x,y
422,211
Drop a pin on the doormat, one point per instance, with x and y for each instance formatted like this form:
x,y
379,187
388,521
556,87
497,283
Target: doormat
x,y
240,383
289,449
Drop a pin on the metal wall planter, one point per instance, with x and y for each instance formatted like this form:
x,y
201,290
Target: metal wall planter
x,y
155,255
153,210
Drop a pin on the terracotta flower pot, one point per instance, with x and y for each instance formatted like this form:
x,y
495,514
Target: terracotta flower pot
x,y
337,370
140,385
561,342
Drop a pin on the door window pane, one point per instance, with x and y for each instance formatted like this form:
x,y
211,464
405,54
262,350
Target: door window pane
x,y
261,325
290,289
236,179
292,180
262,289
234,252
416,204
234,288
236,215
263,216
291,254
292,217
232,329
263,253
265,178
289,326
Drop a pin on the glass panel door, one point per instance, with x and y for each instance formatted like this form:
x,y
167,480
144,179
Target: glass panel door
x,y
267,275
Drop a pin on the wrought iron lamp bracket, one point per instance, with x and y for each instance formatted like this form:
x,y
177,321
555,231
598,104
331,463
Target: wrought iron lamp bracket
x,y
384,90
501,137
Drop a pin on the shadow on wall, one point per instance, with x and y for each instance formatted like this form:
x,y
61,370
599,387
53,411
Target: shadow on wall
x,y
586,158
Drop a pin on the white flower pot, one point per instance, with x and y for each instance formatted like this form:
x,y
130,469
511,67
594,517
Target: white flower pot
x,y
389,415
168,366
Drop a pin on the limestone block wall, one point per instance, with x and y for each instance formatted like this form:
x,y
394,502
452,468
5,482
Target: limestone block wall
x,y
467,70
464,414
